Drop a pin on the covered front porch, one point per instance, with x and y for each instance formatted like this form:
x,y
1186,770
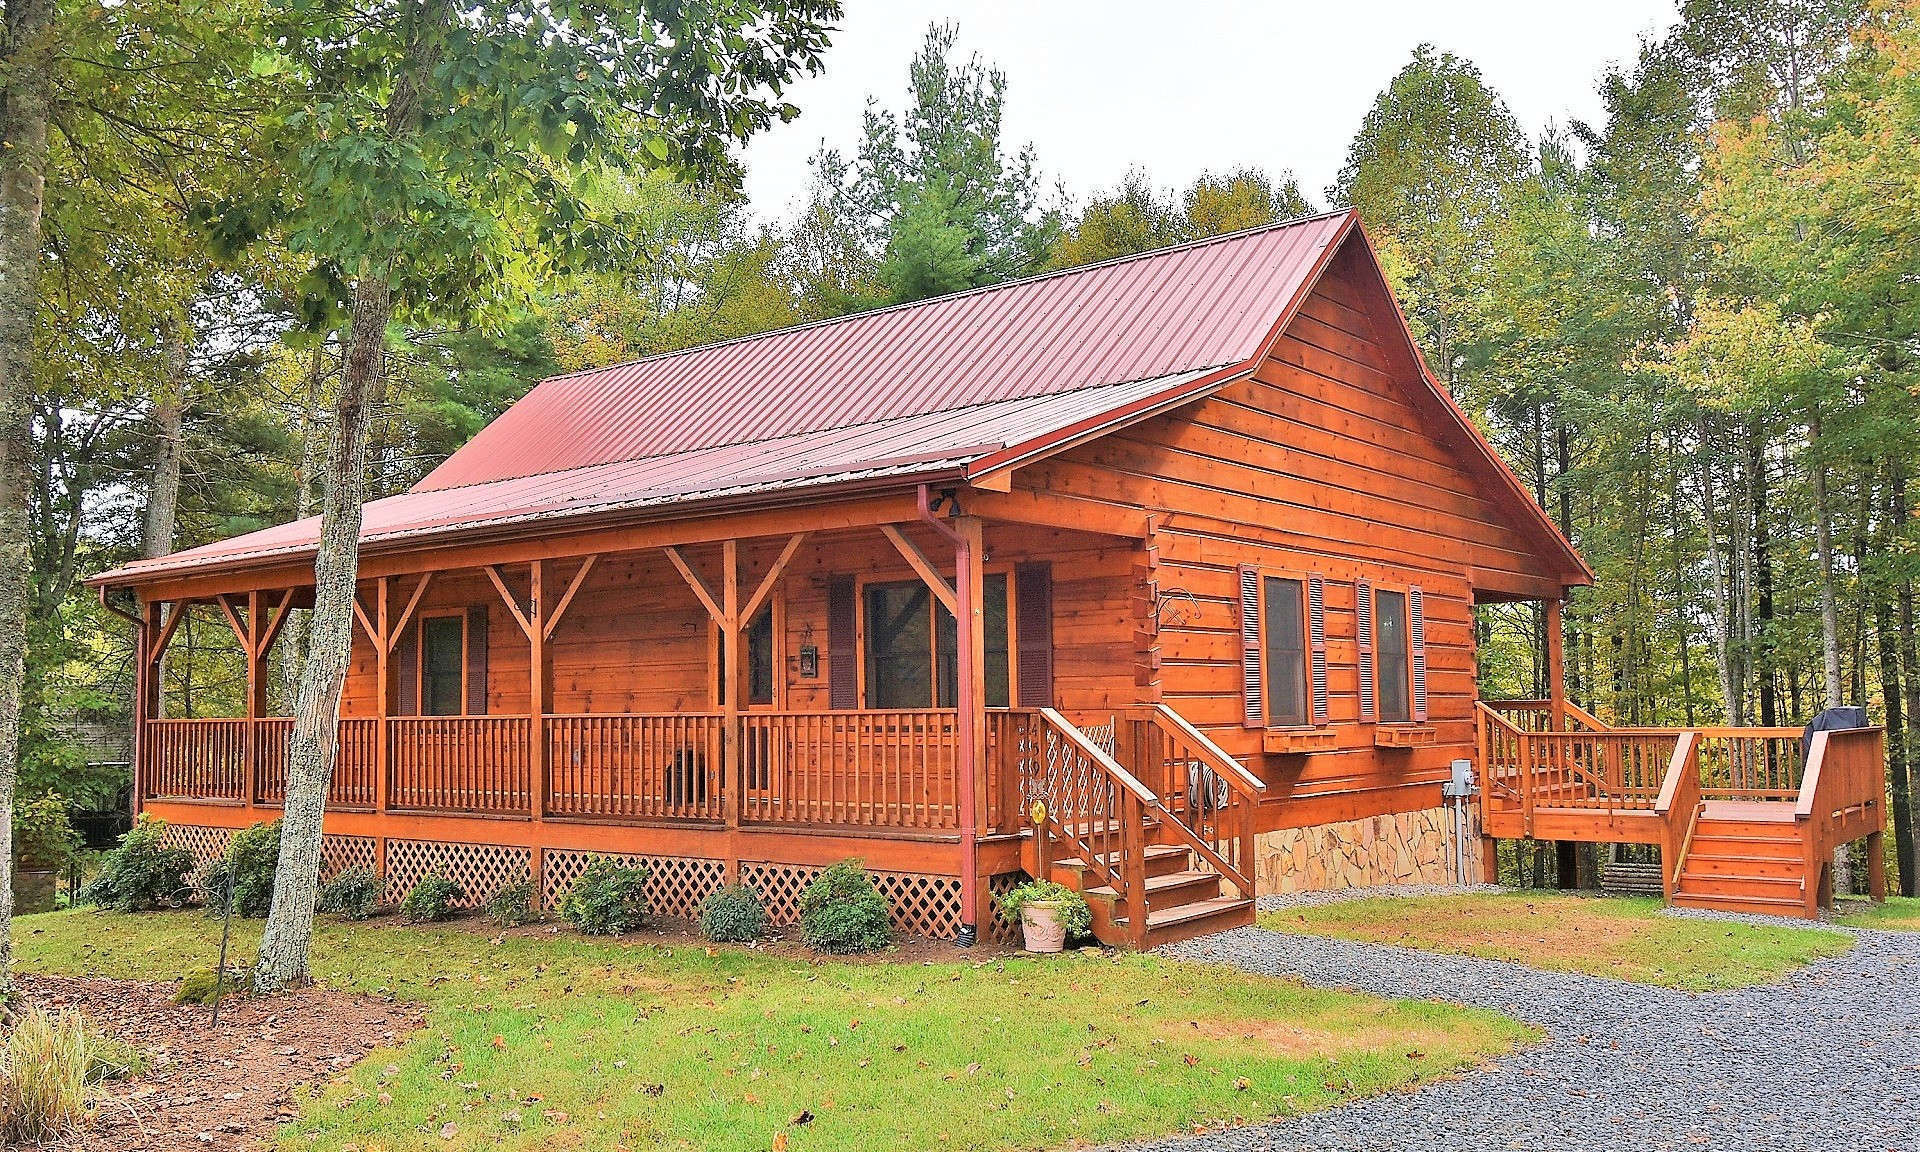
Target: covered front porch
x,y
895,682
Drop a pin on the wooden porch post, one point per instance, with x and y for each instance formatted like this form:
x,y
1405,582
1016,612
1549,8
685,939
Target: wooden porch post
x,y
970,713
146,689
733,660
538,676
1566,858
383,699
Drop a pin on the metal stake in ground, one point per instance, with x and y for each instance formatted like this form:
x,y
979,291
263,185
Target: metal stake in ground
x,y
220,966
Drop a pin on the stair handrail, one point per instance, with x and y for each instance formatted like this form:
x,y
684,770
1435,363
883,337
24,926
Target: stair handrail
x,y
1679,793
1244,788
1223,763
1592,722
1111,843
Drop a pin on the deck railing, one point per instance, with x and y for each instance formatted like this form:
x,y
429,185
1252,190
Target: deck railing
x,y
871,768
876,768
459,764
636,767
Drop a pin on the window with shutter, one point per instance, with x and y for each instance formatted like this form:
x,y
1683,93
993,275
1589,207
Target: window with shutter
x,y
1363,646
406,672
1284,668
1251,696
1390,654
477,660
1417,650
843,646
443,665
1033,632
1317,640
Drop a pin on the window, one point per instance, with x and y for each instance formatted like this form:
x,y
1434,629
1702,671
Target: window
x,y
999,674
443,663
912,646
760,659
899,624
1390,643
1286,651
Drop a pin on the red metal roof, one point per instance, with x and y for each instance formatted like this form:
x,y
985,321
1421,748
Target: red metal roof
x,y
950,386
1202,305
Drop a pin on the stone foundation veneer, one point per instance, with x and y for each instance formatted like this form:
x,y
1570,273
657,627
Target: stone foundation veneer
x,y
1395,848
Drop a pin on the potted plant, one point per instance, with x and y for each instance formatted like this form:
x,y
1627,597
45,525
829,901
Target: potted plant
x,y
43,842
1048,914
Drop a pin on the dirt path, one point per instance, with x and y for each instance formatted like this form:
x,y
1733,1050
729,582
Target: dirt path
x,y
225,1089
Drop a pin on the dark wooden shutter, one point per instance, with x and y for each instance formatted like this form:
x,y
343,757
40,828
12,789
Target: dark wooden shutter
x,y
1252,698
1363,645
1033,632
477,660
1317,645
406,668
1417,650
843,644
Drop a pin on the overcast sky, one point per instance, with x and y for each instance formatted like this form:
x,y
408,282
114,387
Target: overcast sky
x,y
1101,85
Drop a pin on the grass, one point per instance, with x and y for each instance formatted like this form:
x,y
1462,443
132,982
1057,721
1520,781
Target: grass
x,y
1898,914
1618,937
538,1041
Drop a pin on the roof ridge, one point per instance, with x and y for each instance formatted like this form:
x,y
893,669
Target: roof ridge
x,y
807,432
1057,273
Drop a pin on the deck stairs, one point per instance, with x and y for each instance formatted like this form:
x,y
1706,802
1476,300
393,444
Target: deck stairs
x,y
1145,817
1183,900
1748,856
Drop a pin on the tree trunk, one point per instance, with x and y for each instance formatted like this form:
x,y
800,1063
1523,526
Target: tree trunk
x,y
1823,546
1910,686
1722,609
163,490
290,651
310,752
26,88
1763,640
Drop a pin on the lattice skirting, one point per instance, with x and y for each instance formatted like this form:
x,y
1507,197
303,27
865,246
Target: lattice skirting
x,y
675,884
206,844
480,869
339,853
998,928
922,905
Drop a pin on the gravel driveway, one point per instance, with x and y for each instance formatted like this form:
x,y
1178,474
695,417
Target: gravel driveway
x,y
1827,1059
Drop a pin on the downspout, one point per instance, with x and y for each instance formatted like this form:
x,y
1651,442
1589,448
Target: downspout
x,y
967,709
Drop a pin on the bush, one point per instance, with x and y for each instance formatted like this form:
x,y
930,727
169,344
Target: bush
x,y
43,836
246,870
432,899
205,986
43,1076
142,874
733,913
1075,916
842,912
609,899
352,895
512,906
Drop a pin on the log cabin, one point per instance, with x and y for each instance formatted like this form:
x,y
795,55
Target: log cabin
x,y
1156,576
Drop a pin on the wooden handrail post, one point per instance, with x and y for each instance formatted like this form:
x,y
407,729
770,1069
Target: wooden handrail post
x,y
537,678
733,776
1556,667
1132,840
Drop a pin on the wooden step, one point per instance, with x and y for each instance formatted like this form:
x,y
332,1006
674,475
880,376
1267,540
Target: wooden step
x,y
1185,921
1780,888
1161,860
1169,889
1753,904
1756,829
1744,865
1709,843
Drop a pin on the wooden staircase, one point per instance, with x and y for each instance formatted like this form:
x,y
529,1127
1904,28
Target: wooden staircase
x,y
1183,901
1749,856
1146,818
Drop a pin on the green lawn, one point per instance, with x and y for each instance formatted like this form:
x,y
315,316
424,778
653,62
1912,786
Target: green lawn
x,y
1620,937
1898,914
559,1042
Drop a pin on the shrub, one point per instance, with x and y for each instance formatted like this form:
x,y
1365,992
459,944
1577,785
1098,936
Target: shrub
x,y
142,874
431,899
1075,916
43,836
842,912
734,913
205,986
246,870
609,898
512,906
43,1076
352,895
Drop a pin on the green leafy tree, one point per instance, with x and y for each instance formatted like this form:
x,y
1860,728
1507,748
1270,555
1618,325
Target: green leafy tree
x,y
434,161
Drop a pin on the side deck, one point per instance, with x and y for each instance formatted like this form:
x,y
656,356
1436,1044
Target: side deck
x,y
1746,819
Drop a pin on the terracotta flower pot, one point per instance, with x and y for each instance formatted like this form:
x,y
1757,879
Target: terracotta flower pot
x,y
1041,927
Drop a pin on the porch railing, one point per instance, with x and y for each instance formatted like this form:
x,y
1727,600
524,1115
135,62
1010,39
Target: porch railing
x,y
202,759
460,764
636,767
893,768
